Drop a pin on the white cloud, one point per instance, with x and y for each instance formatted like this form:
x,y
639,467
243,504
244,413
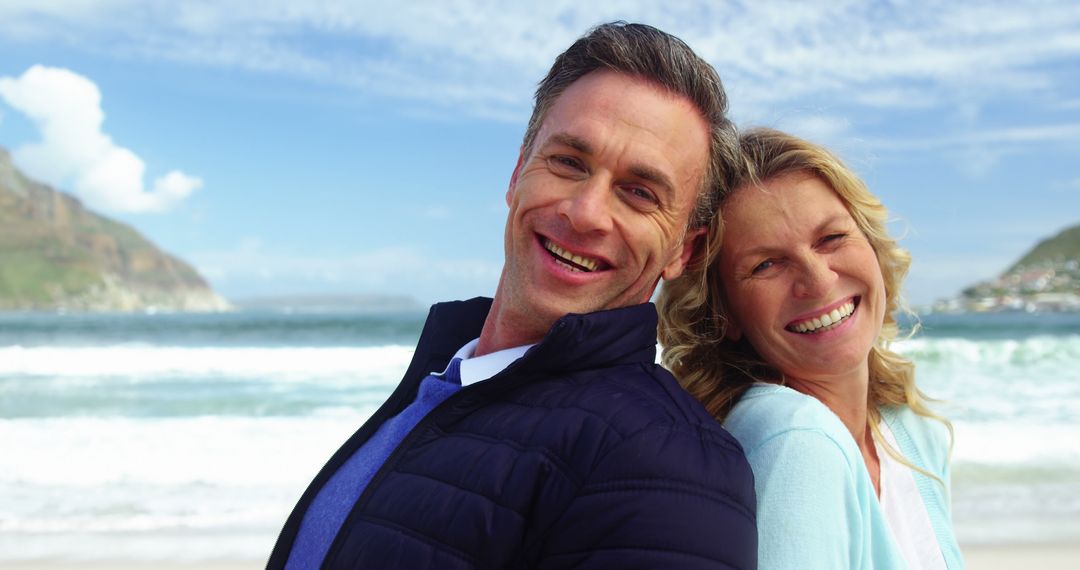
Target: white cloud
x,y
825,129
467,56
66,108
987,138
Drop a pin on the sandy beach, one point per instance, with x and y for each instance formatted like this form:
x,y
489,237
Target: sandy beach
x,y
981,557
1041,556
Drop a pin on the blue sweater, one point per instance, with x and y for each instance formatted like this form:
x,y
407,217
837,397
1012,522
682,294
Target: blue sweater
x,y
816,504
584,453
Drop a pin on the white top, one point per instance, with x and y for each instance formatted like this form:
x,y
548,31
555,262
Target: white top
x,y
475,369
905,512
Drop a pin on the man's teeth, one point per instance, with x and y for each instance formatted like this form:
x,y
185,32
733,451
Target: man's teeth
x,y
826,321
576,262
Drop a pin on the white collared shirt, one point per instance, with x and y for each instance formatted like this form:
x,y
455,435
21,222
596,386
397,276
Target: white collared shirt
x,y
477,368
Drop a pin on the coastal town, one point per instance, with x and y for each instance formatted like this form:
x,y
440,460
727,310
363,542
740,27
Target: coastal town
x,y
1050,287
1045,280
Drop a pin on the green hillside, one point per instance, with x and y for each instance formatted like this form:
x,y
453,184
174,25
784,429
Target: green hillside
x,y
1058,250
56,254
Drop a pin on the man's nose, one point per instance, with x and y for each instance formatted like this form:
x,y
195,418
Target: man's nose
x,y
816,277
588,207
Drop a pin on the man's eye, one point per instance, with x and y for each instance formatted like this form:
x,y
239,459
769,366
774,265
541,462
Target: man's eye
x,y
642,196
566,163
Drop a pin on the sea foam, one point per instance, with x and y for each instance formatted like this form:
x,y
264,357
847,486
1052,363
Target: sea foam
x,y
145,363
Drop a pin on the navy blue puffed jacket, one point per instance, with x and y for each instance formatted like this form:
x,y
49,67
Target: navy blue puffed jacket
x,y
584,453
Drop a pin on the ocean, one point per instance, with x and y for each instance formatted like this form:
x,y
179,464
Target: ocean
x,y
190,437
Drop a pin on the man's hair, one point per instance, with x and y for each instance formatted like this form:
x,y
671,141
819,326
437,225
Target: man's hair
x,y
664,60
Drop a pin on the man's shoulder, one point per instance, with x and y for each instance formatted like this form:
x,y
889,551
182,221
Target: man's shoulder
x,y
629,399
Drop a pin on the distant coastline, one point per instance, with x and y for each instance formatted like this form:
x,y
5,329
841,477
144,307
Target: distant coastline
x,y
372,303
1052,287
1045,280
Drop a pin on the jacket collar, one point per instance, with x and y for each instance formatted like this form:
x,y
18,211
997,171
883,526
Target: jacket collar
x,y
574,342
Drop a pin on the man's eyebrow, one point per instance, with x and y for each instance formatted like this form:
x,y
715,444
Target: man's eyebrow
x,y
644,172
575,142
650,174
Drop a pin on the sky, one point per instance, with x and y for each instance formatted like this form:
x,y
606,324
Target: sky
x,y
352,148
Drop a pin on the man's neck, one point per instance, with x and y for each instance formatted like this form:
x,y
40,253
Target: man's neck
x,y
502,331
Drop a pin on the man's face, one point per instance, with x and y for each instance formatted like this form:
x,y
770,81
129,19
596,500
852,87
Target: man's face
x,y
599,207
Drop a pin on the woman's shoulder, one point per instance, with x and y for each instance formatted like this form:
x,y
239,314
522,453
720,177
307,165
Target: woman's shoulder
x,y
925,437
769,411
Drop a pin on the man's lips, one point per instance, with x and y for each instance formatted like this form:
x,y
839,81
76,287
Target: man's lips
x,y
572,260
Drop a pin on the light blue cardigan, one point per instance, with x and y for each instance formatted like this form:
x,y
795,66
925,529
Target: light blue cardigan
x,y
816,504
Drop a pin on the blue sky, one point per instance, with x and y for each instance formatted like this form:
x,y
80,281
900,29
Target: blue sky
x,y
347,148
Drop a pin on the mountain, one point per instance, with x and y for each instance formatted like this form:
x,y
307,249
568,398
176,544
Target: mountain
x,y
57,255
1058,250
1046,278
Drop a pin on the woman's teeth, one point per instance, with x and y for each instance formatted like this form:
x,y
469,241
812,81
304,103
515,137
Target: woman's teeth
x,y
825,322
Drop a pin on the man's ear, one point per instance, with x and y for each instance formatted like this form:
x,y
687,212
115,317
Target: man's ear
x,y
514,176
690,243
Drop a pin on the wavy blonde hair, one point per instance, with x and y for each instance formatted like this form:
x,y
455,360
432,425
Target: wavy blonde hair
x,y
693,316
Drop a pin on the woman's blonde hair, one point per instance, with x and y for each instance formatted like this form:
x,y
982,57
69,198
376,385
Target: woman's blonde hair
x,y
694,318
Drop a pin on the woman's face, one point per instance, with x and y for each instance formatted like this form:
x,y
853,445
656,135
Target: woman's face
x,y
801,281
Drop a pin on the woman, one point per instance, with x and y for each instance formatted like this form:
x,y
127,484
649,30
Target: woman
x,y
782,330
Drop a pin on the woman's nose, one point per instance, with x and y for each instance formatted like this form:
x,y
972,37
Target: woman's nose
x,y
815,279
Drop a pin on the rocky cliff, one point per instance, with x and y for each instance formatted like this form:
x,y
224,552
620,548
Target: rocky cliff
x,y
57,255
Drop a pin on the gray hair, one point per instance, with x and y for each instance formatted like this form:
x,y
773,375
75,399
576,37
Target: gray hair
x,y
665,60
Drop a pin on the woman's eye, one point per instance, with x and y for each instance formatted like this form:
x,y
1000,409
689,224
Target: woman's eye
x,y
764,265
833,237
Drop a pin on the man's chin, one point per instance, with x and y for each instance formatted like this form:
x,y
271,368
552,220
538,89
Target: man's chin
x,y
547,309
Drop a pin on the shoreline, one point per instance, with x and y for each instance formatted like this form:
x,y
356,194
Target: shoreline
x,y
1045,556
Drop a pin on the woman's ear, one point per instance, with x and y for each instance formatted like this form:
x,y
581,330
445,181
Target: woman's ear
x,y
732,331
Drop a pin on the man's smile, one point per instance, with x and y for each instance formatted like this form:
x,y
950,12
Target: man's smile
x,y
571,260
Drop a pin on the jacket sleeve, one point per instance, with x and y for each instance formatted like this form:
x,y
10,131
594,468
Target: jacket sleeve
x,y
809,512
666,497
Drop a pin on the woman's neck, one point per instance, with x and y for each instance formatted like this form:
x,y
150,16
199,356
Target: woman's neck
x,y
847,398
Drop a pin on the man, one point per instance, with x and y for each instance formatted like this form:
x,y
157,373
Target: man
x,y
567,447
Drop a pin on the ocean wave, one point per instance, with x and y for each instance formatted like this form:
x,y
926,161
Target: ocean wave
x,y
1062,350
147,363
88,452
1035,380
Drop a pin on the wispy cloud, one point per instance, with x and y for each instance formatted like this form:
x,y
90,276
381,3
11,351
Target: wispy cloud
x,y
1067,133
66,108
473,55
833,71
